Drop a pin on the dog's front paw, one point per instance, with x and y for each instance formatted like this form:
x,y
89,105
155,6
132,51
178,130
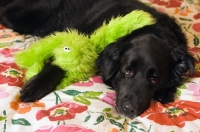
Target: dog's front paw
x,y
42,84
35,89
28,95
164,97
31,93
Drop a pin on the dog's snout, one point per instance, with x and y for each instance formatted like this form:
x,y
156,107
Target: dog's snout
x,y
128,107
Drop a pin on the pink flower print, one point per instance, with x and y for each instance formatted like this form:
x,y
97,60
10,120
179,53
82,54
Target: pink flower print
x,y
196,90
89,82
97,79
3,94
110,98
46,128
160,9
7,52
86,83
63,128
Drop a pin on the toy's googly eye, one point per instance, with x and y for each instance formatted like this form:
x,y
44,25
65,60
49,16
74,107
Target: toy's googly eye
x,y
67,49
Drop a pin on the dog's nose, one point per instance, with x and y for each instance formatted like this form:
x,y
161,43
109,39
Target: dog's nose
x,y
128,107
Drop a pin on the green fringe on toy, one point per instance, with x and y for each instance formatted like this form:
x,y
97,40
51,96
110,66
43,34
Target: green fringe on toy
x,y
119,27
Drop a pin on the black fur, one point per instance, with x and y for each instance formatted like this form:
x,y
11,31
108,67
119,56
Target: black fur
x,y
146,64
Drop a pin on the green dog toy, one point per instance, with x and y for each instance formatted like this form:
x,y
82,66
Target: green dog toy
x,y
76,53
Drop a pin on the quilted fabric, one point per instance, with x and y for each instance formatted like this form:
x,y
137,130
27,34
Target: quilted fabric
x,y
88,106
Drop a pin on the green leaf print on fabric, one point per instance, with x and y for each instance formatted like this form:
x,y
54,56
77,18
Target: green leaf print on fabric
x,y
196,41
5,121
116,123
72,92
87,118
178,91
82,97
99,119
20,121
185,19
82,100
134,127
107,110
105,116
57,98
5,44
2,118
113,117
91,94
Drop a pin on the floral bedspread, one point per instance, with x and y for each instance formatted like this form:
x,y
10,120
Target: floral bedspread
x,y
88,106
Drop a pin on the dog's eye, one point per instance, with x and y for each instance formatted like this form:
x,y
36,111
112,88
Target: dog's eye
x,y
154,80
128,71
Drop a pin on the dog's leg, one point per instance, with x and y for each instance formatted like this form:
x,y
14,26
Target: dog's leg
x,y
42,83
165,95
27,16
4,3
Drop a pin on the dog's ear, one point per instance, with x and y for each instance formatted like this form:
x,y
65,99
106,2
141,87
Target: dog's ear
x,y
182,62
108,61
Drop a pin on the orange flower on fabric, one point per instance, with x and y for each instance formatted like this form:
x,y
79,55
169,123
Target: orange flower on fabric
x,y
182,11
113,130
22,107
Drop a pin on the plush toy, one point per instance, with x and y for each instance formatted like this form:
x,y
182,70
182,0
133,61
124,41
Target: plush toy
x,y
76,53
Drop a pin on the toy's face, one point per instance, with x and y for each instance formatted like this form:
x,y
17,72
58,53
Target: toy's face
x,y
67,49
76,55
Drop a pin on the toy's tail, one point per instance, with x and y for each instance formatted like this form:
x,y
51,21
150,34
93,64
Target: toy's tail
x,y
119,27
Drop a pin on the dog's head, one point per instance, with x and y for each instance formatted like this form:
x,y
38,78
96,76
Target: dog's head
x,y
141,68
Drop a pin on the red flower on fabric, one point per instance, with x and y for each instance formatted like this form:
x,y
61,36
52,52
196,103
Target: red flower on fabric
x,y
197,16
196,72
194,50
167,3
62,111
196,27
173,114
2,27
11,74
197,69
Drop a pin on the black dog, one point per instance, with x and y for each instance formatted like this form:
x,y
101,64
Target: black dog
x,y
147,64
